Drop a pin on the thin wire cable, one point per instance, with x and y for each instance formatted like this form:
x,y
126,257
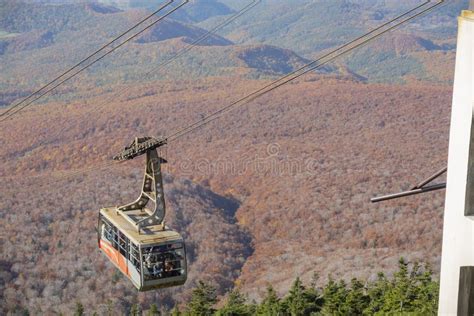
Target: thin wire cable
x,y
168,61
180,53
99,166
58,175
209,33
280,83
305,69
324,56
92,63
87,58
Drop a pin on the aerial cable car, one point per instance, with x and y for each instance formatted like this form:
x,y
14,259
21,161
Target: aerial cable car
x,y
135,237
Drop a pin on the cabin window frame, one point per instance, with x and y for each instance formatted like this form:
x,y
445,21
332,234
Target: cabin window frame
x,y
109,233
182,261
120,242
135,261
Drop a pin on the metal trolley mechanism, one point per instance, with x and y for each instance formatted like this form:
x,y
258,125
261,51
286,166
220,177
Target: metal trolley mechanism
x,y
135,237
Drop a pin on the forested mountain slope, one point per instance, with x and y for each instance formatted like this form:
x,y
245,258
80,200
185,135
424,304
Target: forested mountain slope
x,y
301,164
273,190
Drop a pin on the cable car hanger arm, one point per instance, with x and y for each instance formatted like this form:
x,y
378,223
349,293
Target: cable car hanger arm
x,y
152,189
421,187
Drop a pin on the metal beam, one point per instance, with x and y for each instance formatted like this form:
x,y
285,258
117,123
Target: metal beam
x,y
433,187
466,291
431,178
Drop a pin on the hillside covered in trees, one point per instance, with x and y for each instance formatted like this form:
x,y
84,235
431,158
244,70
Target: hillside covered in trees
x,y
274,190
280,194
411,290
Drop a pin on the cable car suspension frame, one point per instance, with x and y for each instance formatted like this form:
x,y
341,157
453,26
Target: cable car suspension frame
x,y
152,188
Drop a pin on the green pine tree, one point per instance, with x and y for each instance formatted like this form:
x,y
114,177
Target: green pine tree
x,y
135,310
313,297
376,292
153,311
399,298
357,300
270,305
235,305
253,307
294,303
176,311
110,308
426,302
79,309
334,295
411,291
202,301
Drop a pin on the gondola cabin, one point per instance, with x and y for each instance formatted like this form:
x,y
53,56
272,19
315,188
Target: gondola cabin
x,y
134,237
151,259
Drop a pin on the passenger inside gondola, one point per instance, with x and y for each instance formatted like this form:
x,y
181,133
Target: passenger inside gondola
x,y
162,262
169,268
158,270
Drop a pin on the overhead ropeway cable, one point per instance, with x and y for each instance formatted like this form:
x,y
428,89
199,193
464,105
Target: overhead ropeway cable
x,y
206,35
85,59
363,40
65,174
181,52
314,65
89,61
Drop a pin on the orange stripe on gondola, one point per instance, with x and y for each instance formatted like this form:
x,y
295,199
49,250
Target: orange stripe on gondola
x,y
115,256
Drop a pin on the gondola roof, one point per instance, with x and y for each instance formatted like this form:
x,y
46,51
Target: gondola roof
x,y
148,235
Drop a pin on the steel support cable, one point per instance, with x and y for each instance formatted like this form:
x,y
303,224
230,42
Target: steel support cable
x,y
190,46
68,174
62,174
343,50
93,62
87,58
180,53
168,61
319,59
302,71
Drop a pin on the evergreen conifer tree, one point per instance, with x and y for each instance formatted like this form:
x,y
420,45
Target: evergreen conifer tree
x,y
294,303
235,305
176,311
376,292
357,300
79,309
401,293
153,311
203,299
135,310
270,305
313,297
427,299
335,295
